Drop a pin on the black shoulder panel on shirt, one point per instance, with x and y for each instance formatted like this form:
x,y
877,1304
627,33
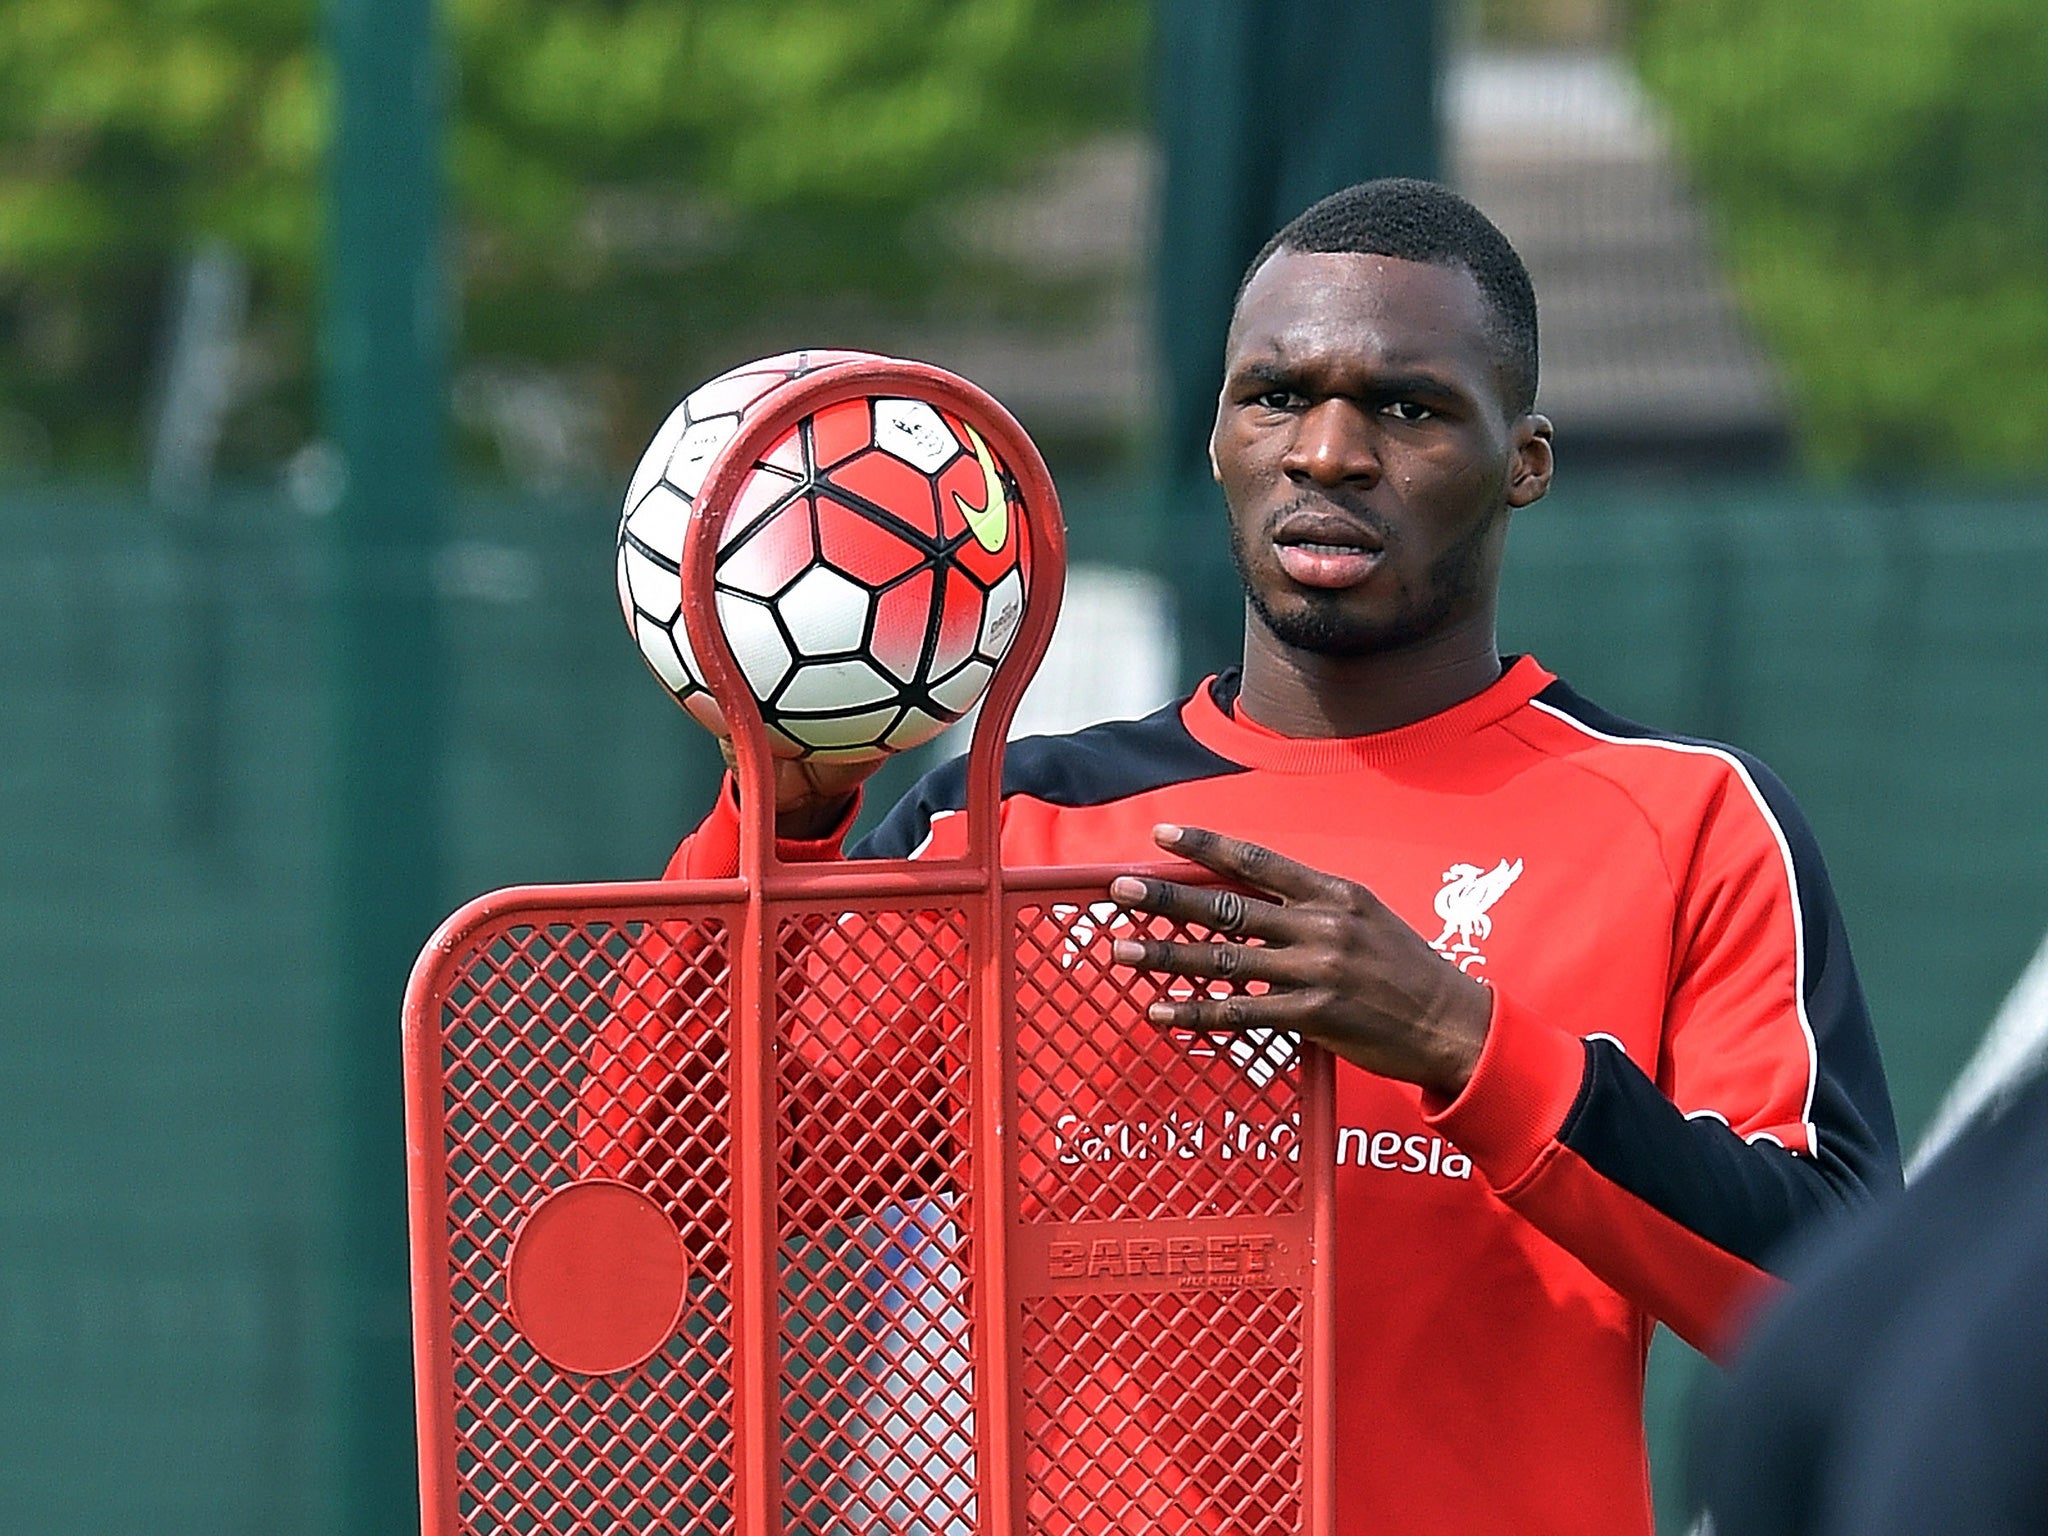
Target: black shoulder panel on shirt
x,y
1107,762
1746,1200
1852,1110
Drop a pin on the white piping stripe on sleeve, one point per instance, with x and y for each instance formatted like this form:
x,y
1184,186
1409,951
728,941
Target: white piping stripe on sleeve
x,y
931,830
1791,885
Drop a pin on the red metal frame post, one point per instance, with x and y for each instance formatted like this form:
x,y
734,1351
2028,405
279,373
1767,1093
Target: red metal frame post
x,y
757,1325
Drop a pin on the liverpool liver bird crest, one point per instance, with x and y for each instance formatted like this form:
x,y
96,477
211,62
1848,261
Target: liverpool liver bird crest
x,y
1463,902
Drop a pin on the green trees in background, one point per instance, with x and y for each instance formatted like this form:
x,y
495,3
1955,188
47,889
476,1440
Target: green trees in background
x,y
1879,172
638,183
126,130
646,187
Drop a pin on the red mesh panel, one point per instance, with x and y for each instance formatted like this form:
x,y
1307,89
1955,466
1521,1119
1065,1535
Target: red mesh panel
x,y
1164,1413
1100,1319
1159,1177
538,1449
877,1185
1117,1118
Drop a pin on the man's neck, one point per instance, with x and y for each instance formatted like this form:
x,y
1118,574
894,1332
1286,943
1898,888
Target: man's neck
x,y
1303,694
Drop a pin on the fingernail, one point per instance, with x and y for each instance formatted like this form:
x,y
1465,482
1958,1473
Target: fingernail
x,y
1126,888
1166,832
1160,1013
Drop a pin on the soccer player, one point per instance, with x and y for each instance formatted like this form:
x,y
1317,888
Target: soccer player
x,y
1602,1048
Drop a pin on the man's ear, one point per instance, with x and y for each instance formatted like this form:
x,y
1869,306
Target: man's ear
x,y
1215,470
1529,473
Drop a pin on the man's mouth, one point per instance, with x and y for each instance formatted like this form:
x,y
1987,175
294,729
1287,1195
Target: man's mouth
x,y
1331,556
1332,566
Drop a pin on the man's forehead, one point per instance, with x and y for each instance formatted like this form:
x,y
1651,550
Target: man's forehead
x,y
1395,310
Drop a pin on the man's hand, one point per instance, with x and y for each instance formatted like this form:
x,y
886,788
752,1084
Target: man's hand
x,y
812,795
1339,968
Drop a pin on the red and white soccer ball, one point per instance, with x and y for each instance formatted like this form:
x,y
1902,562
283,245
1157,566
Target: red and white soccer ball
x,y
871,573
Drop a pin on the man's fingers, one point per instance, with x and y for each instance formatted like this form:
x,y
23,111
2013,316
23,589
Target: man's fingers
x,y
1234,1015
1231,913
1236,987
1201,962
1248,863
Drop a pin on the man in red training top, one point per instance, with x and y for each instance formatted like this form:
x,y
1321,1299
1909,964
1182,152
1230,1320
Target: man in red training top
x,y
1602,1046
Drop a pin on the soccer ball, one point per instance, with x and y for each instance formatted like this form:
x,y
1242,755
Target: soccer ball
x,y
870,575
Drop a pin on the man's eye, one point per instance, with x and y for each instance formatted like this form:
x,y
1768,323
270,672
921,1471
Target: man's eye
x,y
1409,410
1276,399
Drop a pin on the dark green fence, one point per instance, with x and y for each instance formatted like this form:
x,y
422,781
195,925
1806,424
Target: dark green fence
x,y
166,1160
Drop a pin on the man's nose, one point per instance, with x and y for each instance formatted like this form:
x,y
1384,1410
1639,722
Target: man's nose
x,y
1332,443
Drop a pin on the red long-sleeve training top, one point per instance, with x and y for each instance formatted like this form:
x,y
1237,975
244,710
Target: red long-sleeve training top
x,y
1680,1072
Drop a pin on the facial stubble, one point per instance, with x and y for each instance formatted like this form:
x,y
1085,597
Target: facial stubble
x,y
1316,621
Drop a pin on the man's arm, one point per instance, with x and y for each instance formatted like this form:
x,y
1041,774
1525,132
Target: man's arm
x,y
867,1074
1682,1212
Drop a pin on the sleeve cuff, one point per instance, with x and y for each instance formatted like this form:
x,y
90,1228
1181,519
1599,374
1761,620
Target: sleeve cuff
x,y
1515,1105
712,852
813,850
791,850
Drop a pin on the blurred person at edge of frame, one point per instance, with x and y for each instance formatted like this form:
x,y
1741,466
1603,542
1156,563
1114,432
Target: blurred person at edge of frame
x,y
1901,1387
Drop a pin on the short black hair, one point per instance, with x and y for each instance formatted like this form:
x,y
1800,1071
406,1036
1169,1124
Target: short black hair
x,y
1412,220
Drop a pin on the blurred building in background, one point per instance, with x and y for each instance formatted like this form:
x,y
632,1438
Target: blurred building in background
x,y
1793,273
1648,366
